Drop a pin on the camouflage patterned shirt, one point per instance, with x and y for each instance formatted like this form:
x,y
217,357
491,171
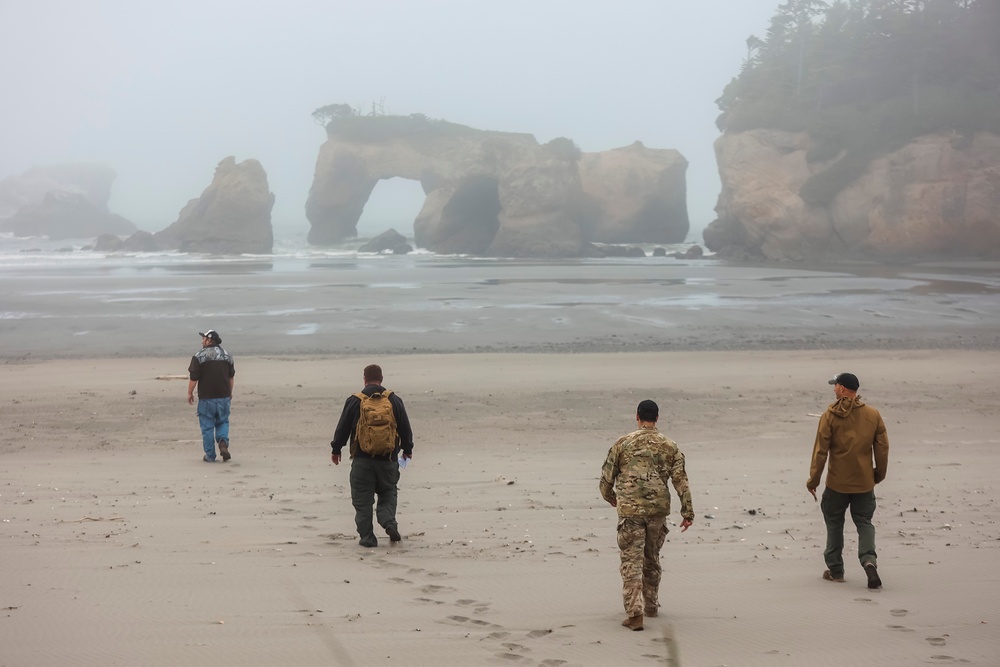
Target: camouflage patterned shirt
x,y
636,471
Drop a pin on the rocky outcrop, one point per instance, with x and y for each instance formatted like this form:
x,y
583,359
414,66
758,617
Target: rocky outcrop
x,y
232,216
389,241
108,243
91,181
498,194
937,196
65,215
640,193
62,201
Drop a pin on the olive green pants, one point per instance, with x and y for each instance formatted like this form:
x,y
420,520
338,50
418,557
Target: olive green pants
x,y
834,506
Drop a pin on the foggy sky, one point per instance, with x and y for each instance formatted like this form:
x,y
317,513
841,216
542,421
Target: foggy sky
x,y
162,91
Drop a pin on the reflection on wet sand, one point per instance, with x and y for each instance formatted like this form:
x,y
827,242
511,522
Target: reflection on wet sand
x,y
365,305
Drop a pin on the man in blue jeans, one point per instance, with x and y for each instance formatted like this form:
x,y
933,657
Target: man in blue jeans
x,y
212,371
852,435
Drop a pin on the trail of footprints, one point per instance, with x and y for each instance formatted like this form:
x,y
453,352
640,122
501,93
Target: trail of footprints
x,y
933,641
507,645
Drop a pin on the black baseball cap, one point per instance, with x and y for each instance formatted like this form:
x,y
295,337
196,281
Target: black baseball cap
x,y
848,380
213,334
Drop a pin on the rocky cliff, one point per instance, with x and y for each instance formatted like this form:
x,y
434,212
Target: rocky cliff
x,y
232,215
499,194
937,196
60,201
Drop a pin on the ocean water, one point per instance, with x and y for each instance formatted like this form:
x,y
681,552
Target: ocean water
x,y
58,300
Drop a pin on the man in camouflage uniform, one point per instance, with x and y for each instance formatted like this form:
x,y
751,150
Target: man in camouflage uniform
x,y
634,480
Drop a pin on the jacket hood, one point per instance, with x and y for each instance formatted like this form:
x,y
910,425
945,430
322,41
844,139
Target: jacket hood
x,y
843,406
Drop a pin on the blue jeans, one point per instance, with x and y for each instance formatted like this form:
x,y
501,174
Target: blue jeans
x,y
213,414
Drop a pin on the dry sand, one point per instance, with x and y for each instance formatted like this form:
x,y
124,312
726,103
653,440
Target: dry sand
x,y
121,547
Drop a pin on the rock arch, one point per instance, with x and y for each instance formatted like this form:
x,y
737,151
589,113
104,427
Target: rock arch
x,y
494,193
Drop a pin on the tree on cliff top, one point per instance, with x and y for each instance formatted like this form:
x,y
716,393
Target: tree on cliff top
x,y
324,115
863,77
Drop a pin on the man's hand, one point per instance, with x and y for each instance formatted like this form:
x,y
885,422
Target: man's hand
x,y
812,491
613,502
335,458
406,456
685,524
190,399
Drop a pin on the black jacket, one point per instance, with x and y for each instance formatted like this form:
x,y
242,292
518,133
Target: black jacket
x,y
348,424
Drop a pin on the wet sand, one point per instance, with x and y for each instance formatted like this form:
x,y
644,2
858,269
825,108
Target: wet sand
x,y
421,305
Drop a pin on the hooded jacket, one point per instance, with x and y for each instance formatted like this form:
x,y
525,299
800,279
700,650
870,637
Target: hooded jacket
x,y
851,434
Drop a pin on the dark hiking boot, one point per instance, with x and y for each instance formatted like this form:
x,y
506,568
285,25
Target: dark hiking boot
x,y
368,541
224,449
874,581
633,623
829,576
393,533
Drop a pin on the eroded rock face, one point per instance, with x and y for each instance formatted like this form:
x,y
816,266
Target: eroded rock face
x,y
232,216
65,215
503,194
60,201
92,181
641,192
938,196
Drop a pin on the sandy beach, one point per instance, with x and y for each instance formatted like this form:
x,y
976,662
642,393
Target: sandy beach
x,y
121,547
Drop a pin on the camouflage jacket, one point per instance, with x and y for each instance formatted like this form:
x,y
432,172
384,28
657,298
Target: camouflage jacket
x,y
636,471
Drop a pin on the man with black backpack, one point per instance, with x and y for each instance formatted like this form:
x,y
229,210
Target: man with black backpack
x,y
375,422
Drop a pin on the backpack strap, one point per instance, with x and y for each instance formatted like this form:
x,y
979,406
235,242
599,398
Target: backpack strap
x,y
362,396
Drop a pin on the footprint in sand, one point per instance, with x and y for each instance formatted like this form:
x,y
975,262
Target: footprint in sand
x,y
434,588
936,641
512,656
498,635
474,621
400,580
535,634
899,612
478,607
900,628
862,599
514,648
430,601
553,662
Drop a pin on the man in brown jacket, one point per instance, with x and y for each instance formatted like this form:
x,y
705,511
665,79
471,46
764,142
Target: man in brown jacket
x,y
851,434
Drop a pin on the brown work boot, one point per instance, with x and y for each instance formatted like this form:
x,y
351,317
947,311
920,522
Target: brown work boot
x,y
633,623
652,612
830,577
224,449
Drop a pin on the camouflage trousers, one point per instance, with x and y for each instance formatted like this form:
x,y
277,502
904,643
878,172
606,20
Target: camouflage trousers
x,y
640,540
